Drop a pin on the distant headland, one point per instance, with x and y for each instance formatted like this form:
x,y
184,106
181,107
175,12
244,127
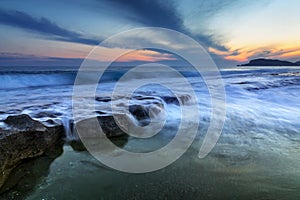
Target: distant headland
x,y
270,62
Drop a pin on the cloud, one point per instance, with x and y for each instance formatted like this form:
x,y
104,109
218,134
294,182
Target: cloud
x,y
147,13
133,57
145,55
152,13
160,14
43,26
246,54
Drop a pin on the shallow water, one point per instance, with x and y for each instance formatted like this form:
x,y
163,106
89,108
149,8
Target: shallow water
x,y
230,172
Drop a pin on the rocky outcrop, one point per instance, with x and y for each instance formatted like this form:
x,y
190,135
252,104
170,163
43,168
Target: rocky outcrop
x,y
24,138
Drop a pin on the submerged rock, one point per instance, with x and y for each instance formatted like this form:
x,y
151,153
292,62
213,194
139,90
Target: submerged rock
x,y
24,138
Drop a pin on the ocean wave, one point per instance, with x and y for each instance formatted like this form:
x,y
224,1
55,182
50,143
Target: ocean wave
x,y
16,80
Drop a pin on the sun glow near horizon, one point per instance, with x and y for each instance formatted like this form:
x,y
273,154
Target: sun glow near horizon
x,y
270,30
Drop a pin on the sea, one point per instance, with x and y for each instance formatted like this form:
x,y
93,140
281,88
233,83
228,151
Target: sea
x,y
256,157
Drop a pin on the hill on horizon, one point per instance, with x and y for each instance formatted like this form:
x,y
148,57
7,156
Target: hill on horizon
x,y
270,62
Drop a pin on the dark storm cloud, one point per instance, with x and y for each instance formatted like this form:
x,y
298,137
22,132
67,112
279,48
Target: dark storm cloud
x,y
43,26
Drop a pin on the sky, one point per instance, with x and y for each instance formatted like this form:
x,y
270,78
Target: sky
x,y
62,33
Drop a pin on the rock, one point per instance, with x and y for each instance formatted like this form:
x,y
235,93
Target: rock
x,y
107,123
77,145
26,176
184,98
110,127
24,122
146,107
141,113
141,97
103,99
89,131
25,138
243,83
170,100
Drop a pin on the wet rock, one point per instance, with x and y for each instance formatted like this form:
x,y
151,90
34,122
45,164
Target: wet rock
x,y
24,122
89,128
100,112
140,97
141,113
110,126
26,176
170,100
184,99
103,99
242,83
25,138
107,124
